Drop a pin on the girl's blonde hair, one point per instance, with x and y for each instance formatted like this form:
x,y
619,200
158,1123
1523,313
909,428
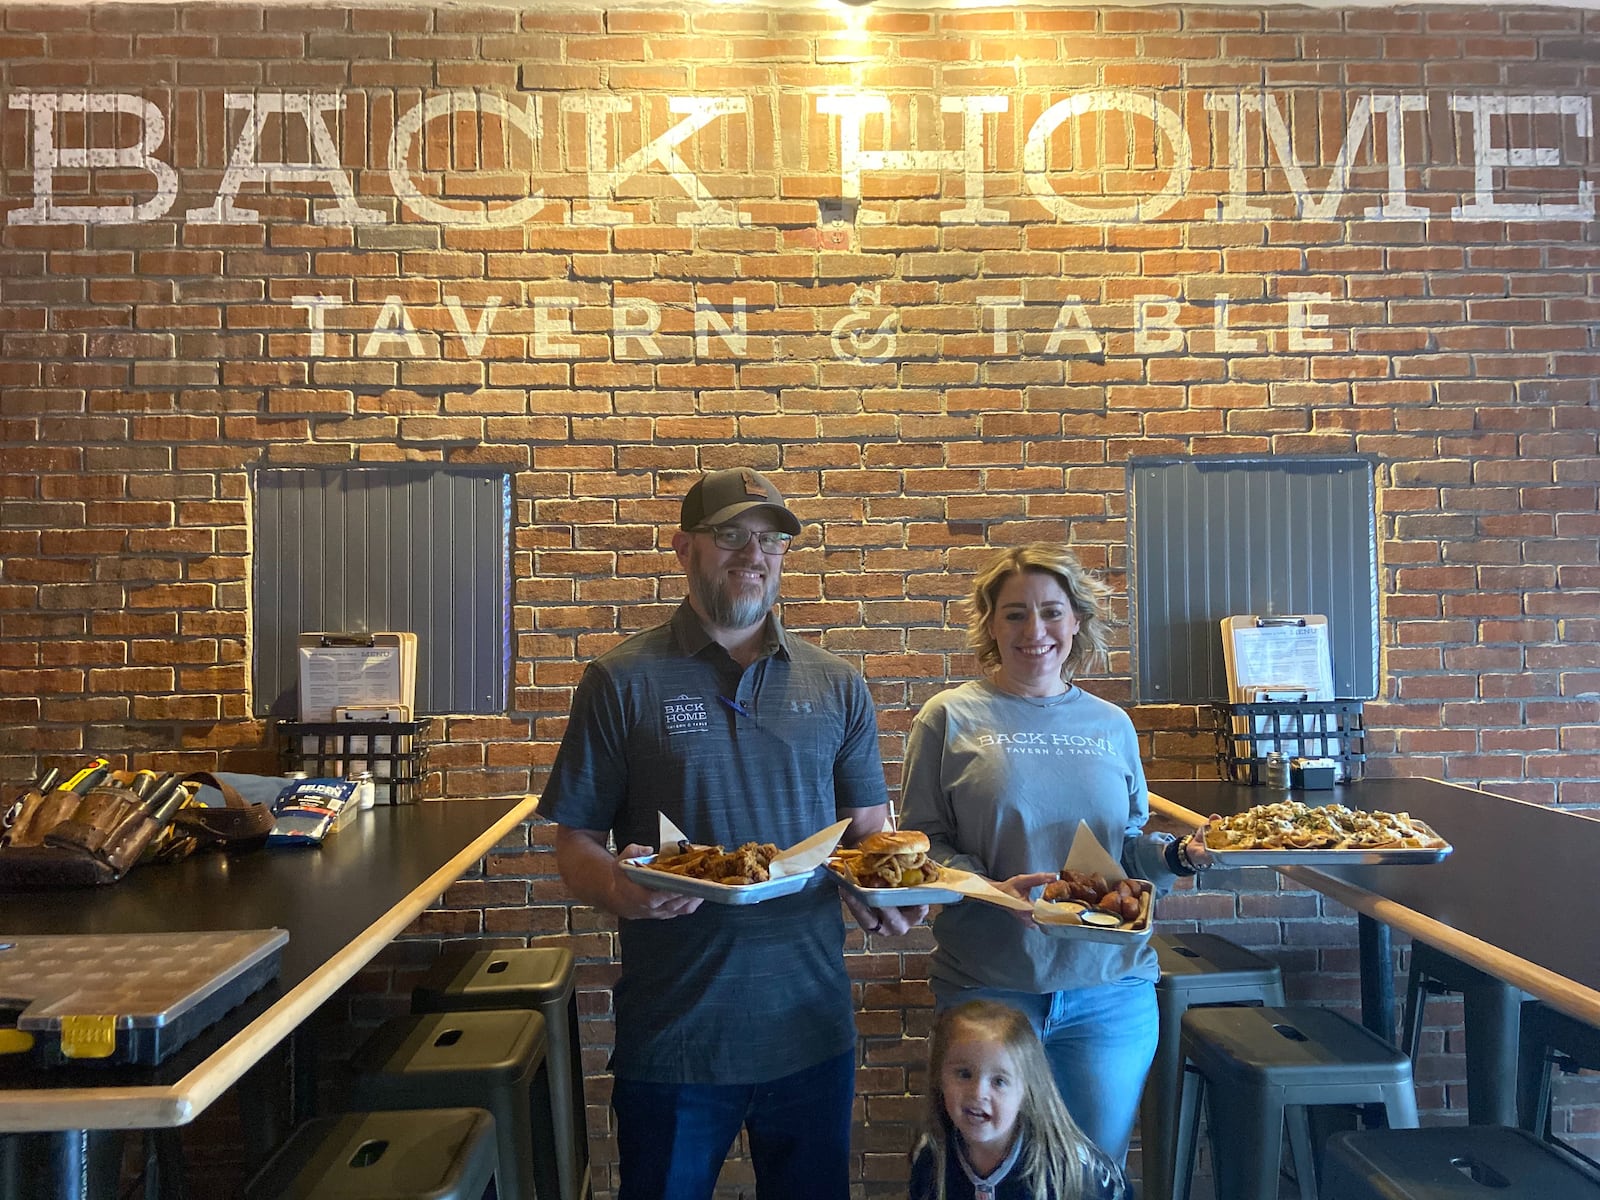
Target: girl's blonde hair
x,y
1085,593
1055,1150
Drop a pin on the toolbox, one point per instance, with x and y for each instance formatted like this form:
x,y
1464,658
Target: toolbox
x,y
125,997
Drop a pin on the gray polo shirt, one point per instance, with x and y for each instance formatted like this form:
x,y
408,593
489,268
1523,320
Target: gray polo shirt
x,y
669,722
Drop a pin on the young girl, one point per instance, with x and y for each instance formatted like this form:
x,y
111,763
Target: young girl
x,y
996,1128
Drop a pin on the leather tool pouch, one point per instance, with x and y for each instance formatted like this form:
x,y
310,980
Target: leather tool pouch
x,y
62,839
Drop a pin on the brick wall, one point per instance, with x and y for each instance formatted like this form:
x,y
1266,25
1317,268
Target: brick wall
x,y
941,273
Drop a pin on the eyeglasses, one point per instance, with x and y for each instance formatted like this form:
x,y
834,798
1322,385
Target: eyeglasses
x,y
737,537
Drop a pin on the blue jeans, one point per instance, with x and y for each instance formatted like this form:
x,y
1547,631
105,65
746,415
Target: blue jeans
x,y
672,1138
1099,1040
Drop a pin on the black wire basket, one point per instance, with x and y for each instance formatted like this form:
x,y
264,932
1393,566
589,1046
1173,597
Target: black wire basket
x,y
392,752
1247,733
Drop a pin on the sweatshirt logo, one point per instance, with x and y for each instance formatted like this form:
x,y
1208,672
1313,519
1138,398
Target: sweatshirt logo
x,y
1025,742
1023,738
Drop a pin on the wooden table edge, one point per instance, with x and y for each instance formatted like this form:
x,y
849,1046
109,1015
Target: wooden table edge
x,y
1556,990
43,1110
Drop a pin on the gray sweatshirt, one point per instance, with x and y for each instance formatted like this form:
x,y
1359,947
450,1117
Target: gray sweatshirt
x,y
999,783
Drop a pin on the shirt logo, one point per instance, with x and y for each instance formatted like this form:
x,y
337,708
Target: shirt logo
x,y
685,714
1059,745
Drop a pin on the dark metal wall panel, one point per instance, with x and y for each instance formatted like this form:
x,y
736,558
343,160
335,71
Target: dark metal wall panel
x,y
360,549
1213,538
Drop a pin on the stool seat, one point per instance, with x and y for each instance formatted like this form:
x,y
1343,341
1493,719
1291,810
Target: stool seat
x,y
1454,1163
1291,1048
489,1058
1197,969
426,1154
486,978
1197,963
1257,1068
538,978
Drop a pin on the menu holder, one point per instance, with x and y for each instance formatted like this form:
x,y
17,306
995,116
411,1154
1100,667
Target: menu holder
x,y
342,670
1276,660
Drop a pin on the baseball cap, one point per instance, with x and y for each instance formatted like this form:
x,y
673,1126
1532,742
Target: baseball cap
x,y
720,496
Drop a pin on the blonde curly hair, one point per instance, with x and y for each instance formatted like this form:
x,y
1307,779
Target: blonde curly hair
x,y
1086,594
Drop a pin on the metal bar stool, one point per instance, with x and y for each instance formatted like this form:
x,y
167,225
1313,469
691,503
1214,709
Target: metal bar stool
x,y
1489,1015
1257,1067
424,1154
533,977
1550,1039
489,1058
1197,970
1455,1163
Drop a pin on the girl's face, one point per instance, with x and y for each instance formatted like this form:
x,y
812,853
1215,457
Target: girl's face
x,y
1033,626
982,1091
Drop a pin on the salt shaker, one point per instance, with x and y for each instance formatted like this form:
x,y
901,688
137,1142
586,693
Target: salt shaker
x,y
1278,770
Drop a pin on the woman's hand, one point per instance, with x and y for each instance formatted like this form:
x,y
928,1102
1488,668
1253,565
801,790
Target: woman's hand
x,y
1195,851
1021,886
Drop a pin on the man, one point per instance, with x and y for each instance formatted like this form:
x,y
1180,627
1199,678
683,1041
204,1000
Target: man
x,y
727,1016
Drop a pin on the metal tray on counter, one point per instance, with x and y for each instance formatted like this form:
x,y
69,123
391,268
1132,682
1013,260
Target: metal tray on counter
x,y
127,997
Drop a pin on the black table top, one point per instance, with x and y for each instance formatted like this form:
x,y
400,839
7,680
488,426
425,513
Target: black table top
x,y
1520,877
326,897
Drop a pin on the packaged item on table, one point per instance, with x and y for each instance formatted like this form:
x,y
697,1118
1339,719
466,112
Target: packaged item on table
x,y
310,810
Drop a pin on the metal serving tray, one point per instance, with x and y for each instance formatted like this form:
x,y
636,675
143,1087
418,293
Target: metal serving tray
x,y
1417,856
718,893
1091,933
1056,920
902,897
129,998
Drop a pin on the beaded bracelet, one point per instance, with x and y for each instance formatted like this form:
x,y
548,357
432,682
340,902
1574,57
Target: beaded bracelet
x,y
1177,861
1183,853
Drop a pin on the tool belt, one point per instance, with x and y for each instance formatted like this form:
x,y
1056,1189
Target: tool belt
x,y
61,838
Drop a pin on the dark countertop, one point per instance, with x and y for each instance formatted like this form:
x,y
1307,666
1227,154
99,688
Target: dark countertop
x,y
341,903
1520,877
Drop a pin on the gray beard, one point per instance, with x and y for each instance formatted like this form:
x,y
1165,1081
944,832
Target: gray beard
x,y
729,612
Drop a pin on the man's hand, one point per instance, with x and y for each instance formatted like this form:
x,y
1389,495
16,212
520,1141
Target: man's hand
x,y
592,873
639,903
883,920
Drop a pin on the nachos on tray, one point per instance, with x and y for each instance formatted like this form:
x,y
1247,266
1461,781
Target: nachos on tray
x,y
1291,825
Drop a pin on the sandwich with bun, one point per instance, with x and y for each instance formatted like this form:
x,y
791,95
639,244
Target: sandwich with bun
x,y
893,858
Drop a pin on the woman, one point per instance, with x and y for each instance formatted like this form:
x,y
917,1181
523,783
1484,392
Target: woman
x,y
998,773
